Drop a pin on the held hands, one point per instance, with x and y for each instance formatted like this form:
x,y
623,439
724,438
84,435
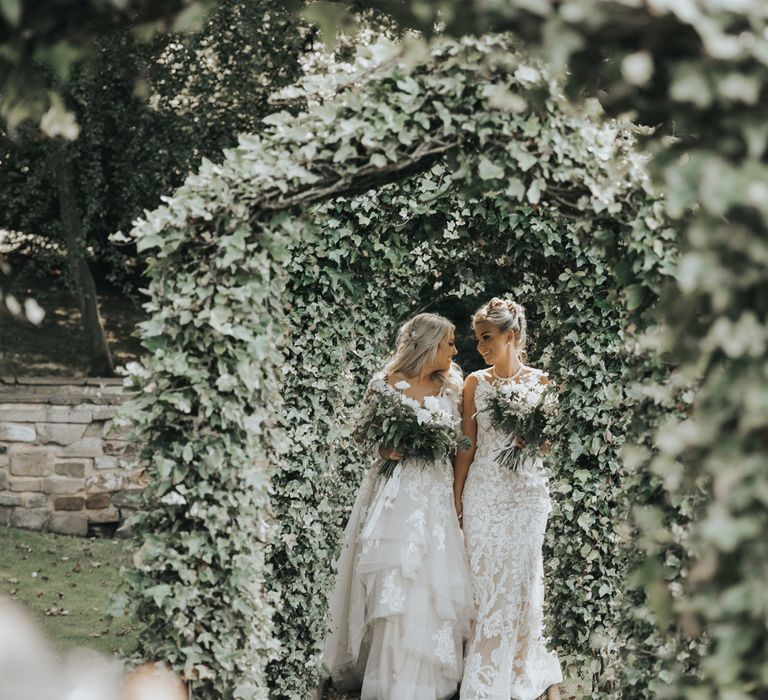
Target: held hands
x,y
390,453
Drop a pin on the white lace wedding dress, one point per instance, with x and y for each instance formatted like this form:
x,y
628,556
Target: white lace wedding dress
x,y
505,515
402,602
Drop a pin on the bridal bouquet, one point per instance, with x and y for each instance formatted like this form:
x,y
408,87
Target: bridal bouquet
x,y
524,411
426,433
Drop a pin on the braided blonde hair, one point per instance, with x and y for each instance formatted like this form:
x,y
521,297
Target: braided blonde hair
x,y
506,316
416,348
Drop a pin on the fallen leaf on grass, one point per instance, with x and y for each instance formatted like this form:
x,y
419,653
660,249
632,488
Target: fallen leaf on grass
x,y
12,580
77,568
55,611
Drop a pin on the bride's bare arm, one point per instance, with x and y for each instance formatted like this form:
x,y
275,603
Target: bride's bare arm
x,y
469,427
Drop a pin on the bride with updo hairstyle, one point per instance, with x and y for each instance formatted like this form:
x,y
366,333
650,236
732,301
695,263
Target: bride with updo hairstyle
x,y
504,515
402,603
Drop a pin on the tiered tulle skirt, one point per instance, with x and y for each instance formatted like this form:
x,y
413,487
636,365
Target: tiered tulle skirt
x,y
402,603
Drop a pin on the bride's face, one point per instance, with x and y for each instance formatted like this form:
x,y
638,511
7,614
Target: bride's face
x,y
446,350
492,343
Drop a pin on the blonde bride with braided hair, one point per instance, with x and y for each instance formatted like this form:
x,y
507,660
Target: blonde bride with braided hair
x,y
401,606
504,515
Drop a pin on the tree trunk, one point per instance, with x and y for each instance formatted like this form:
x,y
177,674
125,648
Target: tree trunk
x,y
99,358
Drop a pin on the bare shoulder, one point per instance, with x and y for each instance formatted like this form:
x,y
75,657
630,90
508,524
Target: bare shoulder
x,y
471,381
470,384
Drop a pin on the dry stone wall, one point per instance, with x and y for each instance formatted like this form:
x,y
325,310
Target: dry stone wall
x,y
64,466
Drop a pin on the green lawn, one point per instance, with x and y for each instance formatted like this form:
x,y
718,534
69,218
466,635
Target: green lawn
x,y
66,583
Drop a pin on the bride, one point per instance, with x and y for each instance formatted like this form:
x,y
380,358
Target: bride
x,y
505,515
401,606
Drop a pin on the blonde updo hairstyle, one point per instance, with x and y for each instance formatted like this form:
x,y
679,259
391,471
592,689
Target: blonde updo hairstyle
x,y
506,316
416,348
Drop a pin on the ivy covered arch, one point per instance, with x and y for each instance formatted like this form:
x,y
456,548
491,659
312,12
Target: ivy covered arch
x,y
277,278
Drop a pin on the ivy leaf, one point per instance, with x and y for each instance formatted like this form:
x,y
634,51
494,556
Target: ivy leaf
x,y
489,171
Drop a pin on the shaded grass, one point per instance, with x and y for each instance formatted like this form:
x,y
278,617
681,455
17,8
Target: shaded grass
x,y
57,347
65,583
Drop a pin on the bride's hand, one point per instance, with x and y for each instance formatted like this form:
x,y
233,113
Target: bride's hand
x,y
390,453
459,507
519,442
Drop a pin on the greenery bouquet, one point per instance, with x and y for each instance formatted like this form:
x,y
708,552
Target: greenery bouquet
x,y
524,411
422,432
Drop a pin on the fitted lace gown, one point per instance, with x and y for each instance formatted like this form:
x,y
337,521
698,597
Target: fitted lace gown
x,y
505,515
402,602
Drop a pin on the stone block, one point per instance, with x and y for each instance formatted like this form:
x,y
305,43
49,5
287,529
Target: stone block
x,y
72,468
61,433
37,463
3,479
100,482
5,460
5,516
93,430
25,483
9,499
62,485
34,500
104,515
106,462
30,518
69,524
127,498
104,412
22,412
69,414
94,501
16,432
87,447
68,503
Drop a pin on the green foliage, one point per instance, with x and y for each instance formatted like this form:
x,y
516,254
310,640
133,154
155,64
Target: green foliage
x,y
148,113
41,43
277,279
